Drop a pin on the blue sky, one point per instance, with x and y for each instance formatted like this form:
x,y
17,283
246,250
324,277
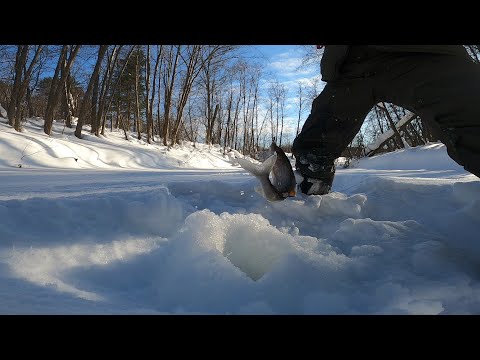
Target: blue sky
x,y
277,55
283,61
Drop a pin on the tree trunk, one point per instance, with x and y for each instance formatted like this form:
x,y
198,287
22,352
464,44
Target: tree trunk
x,y
299,106
374,148
208,106
397,137
20,61
282,106
277,100
83,109
68,101
15,113
107,81
169,80
379,118
137,102
272,127
30,111
235,124
117,119
159,125
57,86
114,89
252,128
93,107
154,83
147,90
50,106
190,76
129,111
229,117
23,88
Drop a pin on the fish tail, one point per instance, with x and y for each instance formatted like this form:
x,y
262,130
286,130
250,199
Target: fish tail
x,y
259,170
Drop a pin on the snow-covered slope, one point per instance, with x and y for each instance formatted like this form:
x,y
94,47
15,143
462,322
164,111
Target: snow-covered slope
x,y
134,228
34,149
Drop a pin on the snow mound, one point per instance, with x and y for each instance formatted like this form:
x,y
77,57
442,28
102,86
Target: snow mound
x,y
432,156
32,148
137,228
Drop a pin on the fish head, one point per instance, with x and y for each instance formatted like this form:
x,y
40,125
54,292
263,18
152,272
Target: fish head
x,y
274,147
289,193
282,175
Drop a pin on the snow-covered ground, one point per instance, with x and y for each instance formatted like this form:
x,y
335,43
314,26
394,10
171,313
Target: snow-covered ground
x,y
132,228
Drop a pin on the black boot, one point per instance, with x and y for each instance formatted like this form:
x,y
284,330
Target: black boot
x,y
311,186
317,172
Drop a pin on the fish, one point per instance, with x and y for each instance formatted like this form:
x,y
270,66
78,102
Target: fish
x,y
278,165
283,177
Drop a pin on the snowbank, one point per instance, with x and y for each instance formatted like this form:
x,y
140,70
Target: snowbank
x,y
183,231
32,148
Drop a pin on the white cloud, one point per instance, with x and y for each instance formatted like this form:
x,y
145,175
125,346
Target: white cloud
x,y
288,64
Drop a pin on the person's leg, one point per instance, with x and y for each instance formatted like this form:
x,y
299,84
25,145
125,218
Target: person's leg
x,y
444,91
336,117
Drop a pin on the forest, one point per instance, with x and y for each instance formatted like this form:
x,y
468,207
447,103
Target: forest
x,y
166,94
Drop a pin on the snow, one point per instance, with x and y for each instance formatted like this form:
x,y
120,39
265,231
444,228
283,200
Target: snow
x,y
133,228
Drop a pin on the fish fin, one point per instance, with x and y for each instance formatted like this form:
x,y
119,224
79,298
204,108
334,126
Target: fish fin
x,y
259,190
259,169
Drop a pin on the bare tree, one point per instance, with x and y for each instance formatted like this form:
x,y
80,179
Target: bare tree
x,y
37,70
247,85
106,83
260,129
20,83
398,138
375,147
169,76
150,132
193,129
272,124
235,120
58,84
159,94
115,87
253,127
282,98
69,102
277,93
94,108
191,59
300,105
84,108
311,55
229,120
20,61
137,100
212,77
313,90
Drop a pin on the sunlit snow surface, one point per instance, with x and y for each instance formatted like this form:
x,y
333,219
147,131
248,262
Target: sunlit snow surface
x,y
132,228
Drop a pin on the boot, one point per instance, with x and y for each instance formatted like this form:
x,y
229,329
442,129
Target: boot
x,y
314,173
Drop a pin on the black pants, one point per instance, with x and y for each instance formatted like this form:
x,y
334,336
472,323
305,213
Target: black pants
x,y
444,90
